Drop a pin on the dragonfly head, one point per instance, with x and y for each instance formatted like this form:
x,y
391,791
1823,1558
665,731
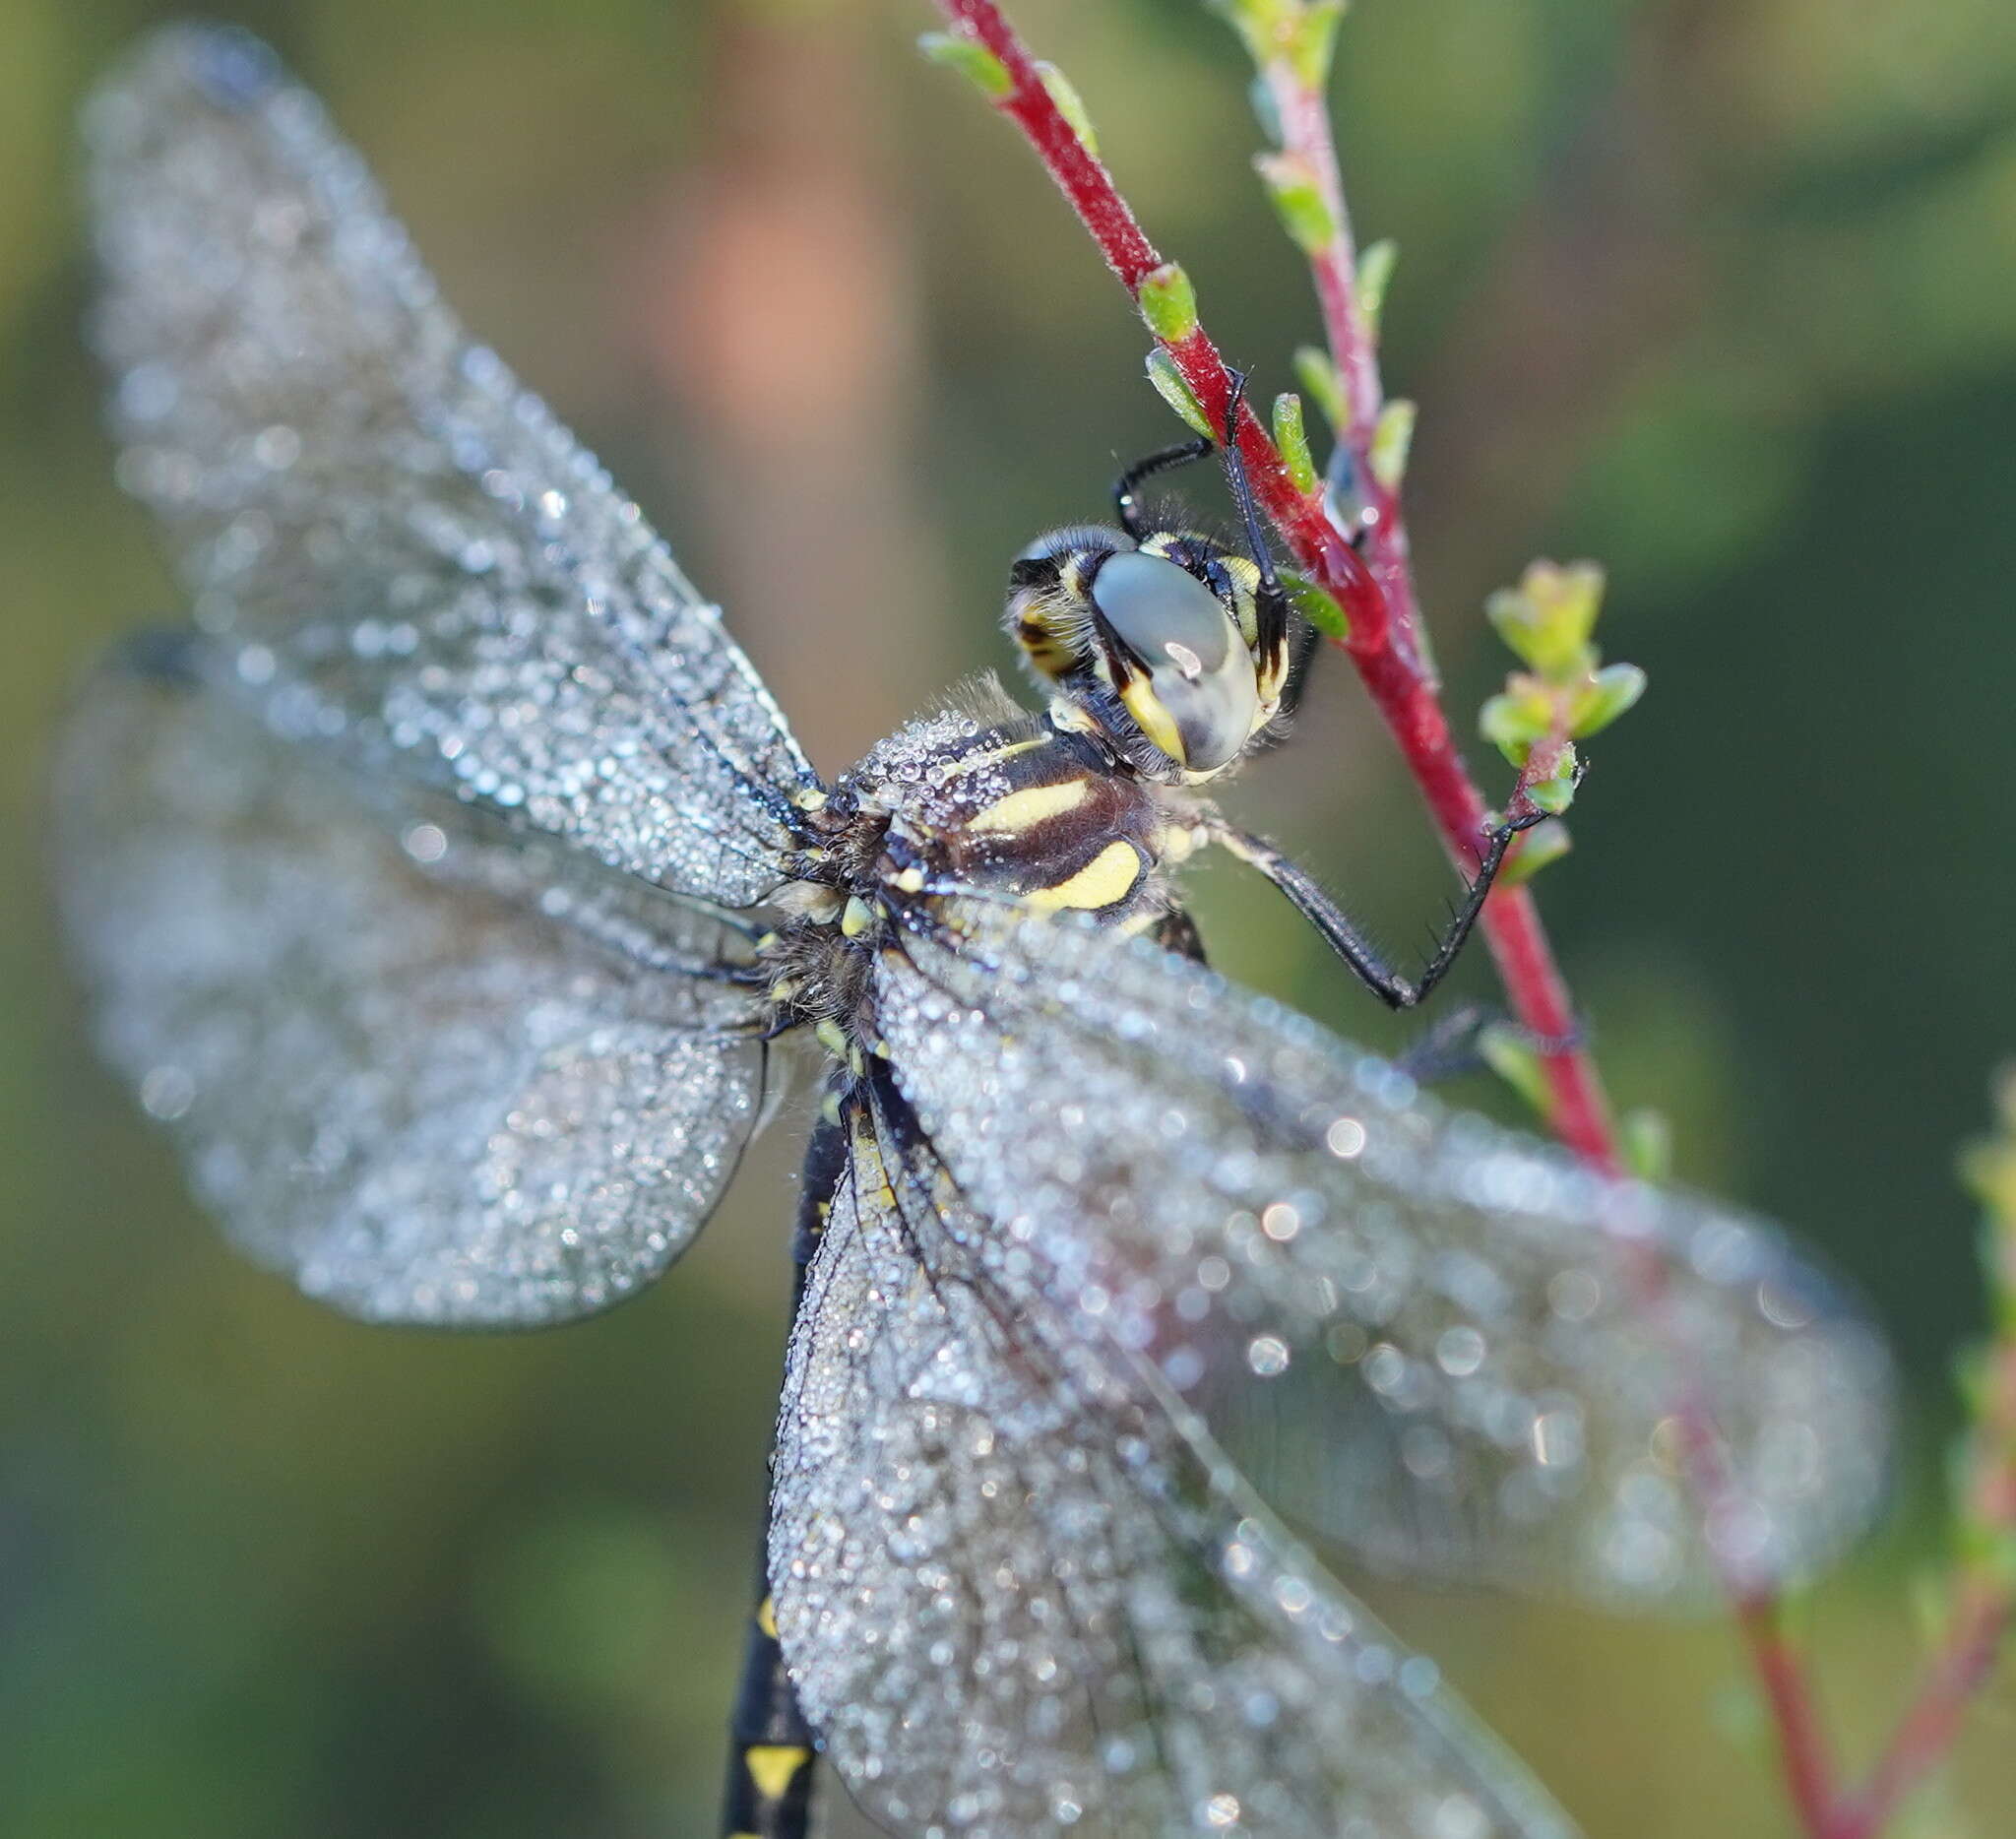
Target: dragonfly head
x,y
1155,646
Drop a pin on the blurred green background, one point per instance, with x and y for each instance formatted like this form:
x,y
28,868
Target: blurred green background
x,y
1719,292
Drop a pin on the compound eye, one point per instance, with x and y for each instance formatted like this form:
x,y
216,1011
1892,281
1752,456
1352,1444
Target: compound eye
x,y
1200,700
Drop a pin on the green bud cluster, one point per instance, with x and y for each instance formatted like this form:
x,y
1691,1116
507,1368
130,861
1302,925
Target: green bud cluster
x,y
1301,32
1566,692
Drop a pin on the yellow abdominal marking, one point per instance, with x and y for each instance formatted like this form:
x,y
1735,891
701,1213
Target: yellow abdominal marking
x,y
1104,880
1024,811
766,1616
772,1765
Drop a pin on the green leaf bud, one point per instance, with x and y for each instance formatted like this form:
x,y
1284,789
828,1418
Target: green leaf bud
x,y
1322,385
1070,105
1392,439
1542,845
1376,271
972,59
1174,389
1645,1138
1316,605
1607,694
1298,200
1169,303
1291,438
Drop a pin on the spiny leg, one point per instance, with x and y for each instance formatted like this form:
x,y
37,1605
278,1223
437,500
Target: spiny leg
x,y
1452,1045
1343,936
1126,489
770,1747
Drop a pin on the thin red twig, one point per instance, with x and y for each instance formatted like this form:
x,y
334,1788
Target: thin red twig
x,y
1926,1733
1405,695
1307,140
1377,593
1982,1612
1306,135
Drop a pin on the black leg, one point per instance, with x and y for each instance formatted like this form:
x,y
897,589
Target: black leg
x,y
1346,940
1269,599
1126,501
1302,649
770,1747
1451,1047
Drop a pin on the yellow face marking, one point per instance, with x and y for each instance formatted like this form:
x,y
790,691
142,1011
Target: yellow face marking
x,y
1145,705
771,1766
766,1616
1024,811
1104,880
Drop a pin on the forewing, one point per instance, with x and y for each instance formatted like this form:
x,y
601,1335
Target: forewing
x,y
430,1073
402,550
1464,1353
1017,1603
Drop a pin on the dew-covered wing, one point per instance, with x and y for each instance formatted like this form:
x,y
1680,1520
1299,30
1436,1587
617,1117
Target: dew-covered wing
x,y
1434,1338
402,550
431,1073
1017,1604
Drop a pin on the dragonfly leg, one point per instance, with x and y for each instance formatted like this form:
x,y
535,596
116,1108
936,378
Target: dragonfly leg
x,y
1449,1047
1342,935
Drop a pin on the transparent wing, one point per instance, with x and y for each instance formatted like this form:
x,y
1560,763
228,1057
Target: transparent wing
x,y
432,1075
1016,1603
401,549
1467,1357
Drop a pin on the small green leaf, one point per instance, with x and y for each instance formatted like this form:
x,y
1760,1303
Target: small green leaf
x,y
1518,719
1298,200
1174,389
1070,105
1646,1139
1169,303
1555,793
1375,271
972,59
1315,42
1547,618
1391,440
1317,606
1509,1052
1292,438
1613,690
1543,845
1322,385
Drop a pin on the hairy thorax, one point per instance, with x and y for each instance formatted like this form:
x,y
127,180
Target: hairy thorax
x,y
962,812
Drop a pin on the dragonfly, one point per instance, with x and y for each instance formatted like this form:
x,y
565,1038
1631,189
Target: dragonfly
x,y
448,884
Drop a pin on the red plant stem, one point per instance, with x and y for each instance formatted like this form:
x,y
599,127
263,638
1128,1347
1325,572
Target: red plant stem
x,y
1306,135
1400,688
1515,931
1927,1732
1982,1611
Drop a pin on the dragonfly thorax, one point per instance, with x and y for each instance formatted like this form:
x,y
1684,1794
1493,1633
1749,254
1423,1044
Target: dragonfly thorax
x,y
973,809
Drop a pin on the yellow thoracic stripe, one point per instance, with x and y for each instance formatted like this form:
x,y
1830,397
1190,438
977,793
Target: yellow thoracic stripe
x,y
771,1766
1099,883
990,756
1025,809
